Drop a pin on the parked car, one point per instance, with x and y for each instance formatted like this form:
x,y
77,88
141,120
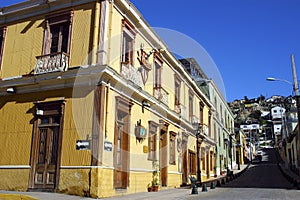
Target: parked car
x,y
259,155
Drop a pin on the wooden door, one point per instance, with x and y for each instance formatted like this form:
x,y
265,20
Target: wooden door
x,y
163,158
46,146
45,170
122,143
184,161
120,156
207,165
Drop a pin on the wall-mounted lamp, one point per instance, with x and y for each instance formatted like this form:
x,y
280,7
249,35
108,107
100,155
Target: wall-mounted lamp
x,y
149,54
140,131
10,90
39,112
145,104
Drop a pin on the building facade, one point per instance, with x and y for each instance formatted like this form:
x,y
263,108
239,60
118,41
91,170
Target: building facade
x,y
222,118
94,104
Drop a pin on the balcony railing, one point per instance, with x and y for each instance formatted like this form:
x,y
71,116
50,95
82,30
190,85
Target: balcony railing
x,y
131,74
181,109
162,95
51,63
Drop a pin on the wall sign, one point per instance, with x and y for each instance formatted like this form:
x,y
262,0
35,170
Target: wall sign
x,y
108,146
83,144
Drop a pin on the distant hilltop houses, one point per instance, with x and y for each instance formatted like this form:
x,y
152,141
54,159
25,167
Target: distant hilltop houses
x,y
272,119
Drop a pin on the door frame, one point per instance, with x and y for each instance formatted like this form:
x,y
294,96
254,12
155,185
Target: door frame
x,y
122,106
185,162
48,108
163,153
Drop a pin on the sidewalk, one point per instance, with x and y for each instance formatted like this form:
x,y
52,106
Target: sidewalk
x,y
163,194
290,175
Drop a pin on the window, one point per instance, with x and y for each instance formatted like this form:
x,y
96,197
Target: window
x,y
58,33
191,106
56,47
172,148
152,141
177,90
203,155
2,38
158,72
211,160
209,124
221,114
201,112
128,36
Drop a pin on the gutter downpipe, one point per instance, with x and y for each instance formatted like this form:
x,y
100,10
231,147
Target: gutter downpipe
x,y
93,60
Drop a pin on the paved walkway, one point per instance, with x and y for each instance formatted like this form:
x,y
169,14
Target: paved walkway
x,y
164,194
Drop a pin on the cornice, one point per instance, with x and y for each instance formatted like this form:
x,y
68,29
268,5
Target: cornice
x,y
29,9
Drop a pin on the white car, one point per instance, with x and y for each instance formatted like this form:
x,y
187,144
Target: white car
x,y
259,153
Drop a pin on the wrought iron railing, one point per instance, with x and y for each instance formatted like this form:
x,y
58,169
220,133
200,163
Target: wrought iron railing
x,y
51,63
162,95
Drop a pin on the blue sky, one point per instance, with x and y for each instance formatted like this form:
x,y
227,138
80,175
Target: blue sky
x,y
248,40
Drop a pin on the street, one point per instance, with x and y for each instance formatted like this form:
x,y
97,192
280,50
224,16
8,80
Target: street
x,y
261,181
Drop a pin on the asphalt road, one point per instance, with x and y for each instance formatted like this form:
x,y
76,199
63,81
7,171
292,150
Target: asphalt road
x,y
261,181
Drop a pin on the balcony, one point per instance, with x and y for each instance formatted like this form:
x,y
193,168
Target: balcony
x,y
194,119
162,95
131,74
55,62
181,110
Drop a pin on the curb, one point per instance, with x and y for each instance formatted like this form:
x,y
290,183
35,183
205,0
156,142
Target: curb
x,y
16,197
218,182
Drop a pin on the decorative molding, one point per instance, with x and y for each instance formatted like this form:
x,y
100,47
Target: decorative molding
x,y
15,167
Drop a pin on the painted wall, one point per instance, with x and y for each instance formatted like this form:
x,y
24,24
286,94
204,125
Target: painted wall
x,y
24,41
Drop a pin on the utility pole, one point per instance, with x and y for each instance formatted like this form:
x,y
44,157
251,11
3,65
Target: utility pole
x,y
296,90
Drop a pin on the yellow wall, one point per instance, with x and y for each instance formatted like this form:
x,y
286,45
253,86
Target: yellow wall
x,y
24,41
16,130
17,117
81,35
14,179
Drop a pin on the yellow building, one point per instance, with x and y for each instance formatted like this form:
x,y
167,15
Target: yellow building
x,y
94,104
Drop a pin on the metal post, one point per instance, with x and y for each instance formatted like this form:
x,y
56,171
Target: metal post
x,y
296,90
230,147
198,158
238,158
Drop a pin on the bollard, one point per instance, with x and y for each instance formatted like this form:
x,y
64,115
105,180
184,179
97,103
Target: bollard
x,y
194,185
212,185
223,181
194,190
204,188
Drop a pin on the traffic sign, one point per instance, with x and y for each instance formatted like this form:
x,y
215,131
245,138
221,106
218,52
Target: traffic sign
x,y
83,144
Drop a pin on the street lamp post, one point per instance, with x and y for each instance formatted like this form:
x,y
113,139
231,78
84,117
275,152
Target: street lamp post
x,y
199,137
238,156
297,97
